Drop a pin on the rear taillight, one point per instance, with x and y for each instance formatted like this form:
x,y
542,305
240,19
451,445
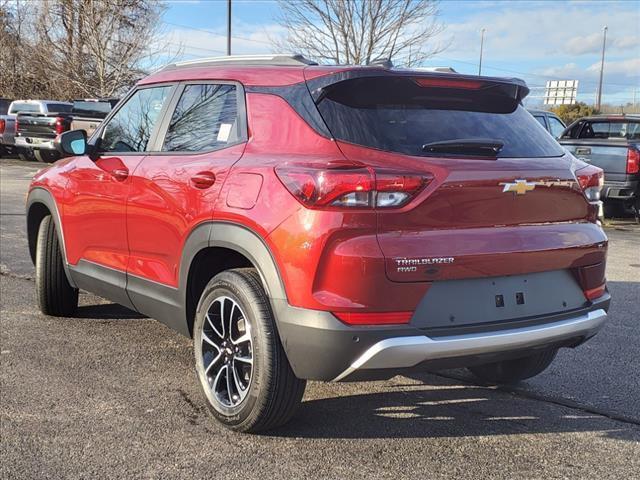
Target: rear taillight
x,y
349,185
591,180
633,160
373,318
61,125
3,125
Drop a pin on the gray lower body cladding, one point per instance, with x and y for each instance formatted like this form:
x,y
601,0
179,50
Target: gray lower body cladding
x,y
554,313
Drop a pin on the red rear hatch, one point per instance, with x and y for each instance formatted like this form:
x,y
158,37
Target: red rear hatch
x,y
500,195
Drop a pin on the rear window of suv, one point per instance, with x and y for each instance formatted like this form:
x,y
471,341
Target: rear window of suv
x,y
396,114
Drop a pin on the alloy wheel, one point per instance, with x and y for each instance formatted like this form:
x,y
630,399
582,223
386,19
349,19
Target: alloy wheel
x,y
227,351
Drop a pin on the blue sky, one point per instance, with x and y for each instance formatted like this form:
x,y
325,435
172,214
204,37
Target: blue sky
x,y
534,40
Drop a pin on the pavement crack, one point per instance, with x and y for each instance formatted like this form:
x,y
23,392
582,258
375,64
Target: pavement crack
x,y
6,273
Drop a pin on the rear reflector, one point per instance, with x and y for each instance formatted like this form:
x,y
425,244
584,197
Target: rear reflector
x,y
594,293
374,318
449,83
633,160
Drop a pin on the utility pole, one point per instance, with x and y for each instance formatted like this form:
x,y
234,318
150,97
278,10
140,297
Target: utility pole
x,y
228,27
481,47
604,43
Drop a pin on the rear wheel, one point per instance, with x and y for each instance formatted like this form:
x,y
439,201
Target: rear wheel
x,y
55,295
513,371
46,156
241,365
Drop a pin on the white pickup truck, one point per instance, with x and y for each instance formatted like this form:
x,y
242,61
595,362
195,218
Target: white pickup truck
x,y
8,128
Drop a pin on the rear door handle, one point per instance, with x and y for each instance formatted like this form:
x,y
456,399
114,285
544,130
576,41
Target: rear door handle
x,y
583,151
203,180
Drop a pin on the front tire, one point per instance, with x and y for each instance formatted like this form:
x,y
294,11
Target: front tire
x,y
55,295
516,370
46,156
240,363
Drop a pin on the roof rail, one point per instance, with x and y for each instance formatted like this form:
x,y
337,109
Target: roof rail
x,y
277,59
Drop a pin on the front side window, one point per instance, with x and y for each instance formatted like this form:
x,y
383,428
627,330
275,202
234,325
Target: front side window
x,y
129,130
556,127
205,118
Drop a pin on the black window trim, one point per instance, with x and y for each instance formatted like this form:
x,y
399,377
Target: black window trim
x,y
163,125
99,132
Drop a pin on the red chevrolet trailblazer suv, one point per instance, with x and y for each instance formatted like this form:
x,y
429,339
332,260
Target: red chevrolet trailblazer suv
x,y
338,223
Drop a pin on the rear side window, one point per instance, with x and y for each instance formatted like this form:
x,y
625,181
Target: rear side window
x,y
91,109
556,126
58,108
609,129
205,118
396,114
540,120
130,128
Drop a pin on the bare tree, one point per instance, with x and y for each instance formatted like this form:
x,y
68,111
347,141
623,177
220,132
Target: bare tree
x,y
78,48
97,46
360,31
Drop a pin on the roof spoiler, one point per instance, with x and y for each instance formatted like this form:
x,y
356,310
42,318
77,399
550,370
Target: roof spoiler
x,y
514,88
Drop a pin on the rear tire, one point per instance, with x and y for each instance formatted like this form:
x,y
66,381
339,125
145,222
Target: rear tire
x,y
235,334
46,156
513,371
55,295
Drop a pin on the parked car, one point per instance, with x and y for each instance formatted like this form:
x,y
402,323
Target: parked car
x,y
550,121
4,109
335,223
611,142
8,123
37,127
88,113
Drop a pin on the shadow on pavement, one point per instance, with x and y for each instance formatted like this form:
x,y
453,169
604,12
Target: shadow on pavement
x,y
108,311
438,407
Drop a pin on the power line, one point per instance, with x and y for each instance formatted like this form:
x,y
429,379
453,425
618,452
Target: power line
x,y
593,82
550,77
211,32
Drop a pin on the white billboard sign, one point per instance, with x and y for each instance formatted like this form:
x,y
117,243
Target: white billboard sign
x,y
560,92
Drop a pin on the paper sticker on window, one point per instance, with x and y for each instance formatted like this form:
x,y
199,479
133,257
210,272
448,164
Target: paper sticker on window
x,y
223,133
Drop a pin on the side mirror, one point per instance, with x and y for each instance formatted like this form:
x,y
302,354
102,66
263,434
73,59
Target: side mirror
x,y
72,143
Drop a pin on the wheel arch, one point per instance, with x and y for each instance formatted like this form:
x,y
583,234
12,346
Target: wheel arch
x,y
40,203
213,247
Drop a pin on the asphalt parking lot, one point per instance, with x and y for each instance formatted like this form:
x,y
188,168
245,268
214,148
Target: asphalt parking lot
x,y
110,394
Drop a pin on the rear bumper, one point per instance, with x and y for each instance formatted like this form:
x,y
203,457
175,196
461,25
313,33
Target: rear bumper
x,y
320,347
406,352
620,190
36,143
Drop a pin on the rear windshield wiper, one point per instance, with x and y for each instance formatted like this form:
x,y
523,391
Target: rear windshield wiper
x,y
466,146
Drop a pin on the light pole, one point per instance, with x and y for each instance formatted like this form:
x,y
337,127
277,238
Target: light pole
x,y
604,43
481,47
228,27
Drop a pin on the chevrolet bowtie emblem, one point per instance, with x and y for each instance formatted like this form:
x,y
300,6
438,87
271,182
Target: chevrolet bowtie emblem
x,y
519,187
